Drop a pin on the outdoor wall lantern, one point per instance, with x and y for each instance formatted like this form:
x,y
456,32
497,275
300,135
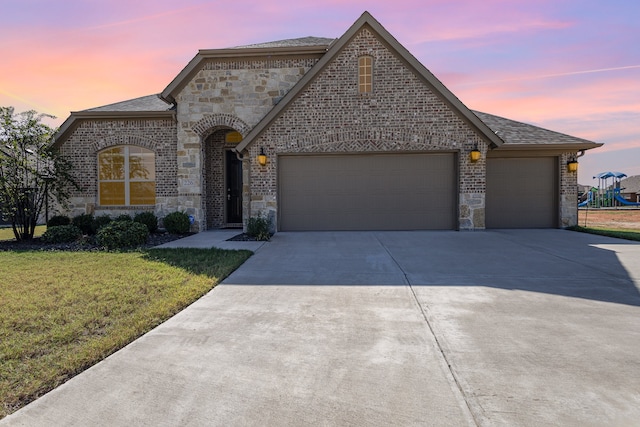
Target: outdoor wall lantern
x,y
572,165
475,154
262,158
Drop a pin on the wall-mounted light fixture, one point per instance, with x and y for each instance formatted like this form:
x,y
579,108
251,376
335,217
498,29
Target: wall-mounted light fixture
x,y
475,154
572,165
262,158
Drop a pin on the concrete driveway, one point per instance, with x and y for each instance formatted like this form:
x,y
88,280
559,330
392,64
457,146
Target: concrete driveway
x,y
495,328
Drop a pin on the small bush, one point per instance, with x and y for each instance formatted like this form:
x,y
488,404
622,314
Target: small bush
x,y
56,220
61,234
148,219
122,234
86,223
177,223
258,227
123,217
102,220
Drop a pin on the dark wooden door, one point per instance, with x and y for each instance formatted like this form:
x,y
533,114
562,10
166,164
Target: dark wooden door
x,y
234,189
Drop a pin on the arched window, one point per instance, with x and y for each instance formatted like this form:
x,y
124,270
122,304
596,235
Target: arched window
x,y
127,176
365,74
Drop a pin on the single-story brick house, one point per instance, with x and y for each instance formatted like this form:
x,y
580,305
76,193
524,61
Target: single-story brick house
x,y
356,135
630,188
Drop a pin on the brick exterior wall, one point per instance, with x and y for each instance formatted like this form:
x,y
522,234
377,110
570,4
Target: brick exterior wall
x,y
92,136
328,116
401,114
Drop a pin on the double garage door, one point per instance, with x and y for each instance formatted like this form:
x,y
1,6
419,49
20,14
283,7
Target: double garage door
x,y
367,192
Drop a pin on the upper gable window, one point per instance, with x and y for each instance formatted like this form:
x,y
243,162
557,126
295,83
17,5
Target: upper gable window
x,y
365,72
127,176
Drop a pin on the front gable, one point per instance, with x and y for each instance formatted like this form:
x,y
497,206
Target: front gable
x,y
334,78
407,111
402,112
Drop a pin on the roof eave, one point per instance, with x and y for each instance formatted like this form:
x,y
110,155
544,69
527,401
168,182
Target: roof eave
x,y
564,146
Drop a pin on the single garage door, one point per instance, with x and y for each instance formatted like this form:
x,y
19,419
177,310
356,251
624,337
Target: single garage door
x,y
367,192
522,192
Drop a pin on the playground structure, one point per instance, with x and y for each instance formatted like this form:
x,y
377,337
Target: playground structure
x,y
606,195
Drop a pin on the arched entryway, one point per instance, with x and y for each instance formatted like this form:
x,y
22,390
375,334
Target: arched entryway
x,y
223,179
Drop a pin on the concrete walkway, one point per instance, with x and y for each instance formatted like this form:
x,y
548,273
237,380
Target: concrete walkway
x,y
213,239
504,328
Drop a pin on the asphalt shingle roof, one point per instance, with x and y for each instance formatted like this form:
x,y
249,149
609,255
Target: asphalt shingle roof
x,y
299,42
144,103
513,132
631,184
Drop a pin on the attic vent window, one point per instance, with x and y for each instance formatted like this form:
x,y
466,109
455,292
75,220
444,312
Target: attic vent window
x,y
365,66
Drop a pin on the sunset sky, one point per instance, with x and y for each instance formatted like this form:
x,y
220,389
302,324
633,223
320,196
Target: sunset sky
x,y
572,66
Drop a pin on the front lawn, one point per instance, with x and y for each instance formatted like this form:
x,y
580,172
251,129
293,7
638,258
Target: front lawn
x,y
6,233
620,233
61,312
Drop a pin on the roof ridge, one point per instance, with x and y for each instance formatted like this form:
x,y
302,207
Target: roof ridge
x,y
297,41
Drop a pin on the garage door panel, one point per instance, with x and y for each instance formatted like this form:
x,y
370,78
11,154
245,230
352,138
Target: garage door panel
x,y
367,192
522,192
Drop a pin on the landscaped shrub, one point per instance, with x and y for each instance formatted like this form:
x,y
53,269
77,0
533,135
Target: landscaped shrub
x,y
122,234
123,217
86,223
258,227
102,220
56,220
148,219
177,223
61,234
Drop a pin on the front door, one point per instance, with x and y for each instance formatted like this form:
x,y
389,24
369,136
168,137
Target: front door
x,y
234,188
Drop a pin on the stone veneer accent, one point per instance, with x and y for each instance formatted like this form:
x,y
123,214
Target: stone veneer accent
x,y
401,114
231,95
92,136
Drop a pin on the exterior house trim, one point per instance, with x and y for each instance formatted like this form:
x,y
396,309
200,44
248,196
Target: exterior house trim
x,y
546,148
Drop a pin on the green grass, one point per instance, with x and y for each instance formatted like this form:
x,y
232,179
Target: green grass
x,y
6,233
610,232
61,312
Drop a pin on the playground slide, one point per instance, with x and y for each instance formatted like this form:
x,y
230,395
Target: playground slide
x,y
624,201
587,200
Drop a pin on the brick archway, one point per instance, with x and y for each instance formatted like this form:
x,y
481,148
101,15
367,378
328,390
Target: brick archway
x,y
111,141
209,124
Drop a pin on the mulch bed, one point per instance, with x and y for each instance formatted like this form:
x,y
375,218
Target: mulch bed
x,y
86,244
242,237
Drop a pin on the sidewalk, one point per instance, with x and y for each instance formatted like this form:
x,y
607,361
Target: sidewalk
x,y
213,239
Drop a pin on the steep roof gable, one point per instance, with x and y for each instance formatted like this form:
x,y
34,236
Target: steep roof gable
x,y
367,20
